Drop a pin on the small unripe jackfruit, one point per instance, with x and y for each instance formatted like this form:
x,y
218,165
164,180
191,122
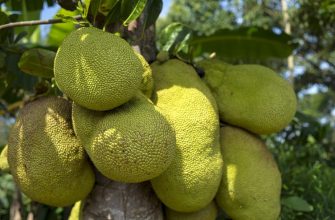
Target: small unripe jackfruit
x,y
251,181
131,143
46,159
191,181
4,167
147,84
77,211
250,96
96,69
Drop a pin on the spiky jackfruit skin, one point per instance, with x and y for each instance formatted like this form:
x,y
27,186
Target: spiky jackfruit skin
x,y
251,181
4,167
147,84
210,212
46,159
250,96
132,143
191,181
96,69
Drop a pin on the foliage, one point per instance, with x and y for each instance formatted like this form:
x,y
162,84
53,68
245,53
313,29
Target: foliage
x,y
205,17
305,153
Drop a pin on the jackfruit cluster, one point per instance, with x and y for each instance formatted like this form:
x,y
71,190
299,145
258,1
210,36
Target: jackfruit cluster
x,y
136,122
252,100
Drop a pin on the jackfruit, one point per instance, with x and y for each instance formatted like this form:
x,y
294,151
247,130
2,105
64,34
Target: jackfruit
x,y
131,143
250,96
47,161
147,84
191,181
77,211
210,212
96,69
4,167
251,181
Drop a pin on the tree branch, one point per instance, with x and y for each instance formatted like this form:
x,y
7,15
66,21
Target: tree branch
x,y
37,22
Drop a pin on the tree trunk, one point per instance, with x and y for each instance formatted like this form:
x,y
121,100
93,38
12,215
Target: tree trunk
x,y
122,201
126,201
287,27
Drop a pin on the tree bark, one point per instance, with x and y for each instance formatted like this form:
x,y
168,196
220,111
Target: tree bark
x,y
126,201
16,206
287,27
122,201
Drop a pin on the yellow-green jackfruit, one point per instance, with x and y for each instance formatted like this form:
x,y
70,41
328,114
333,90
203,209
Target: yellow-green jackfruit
x,y
191,182
131,143
250,96
147,84
210,212
96,69
77,211
251,181
46,159
4,167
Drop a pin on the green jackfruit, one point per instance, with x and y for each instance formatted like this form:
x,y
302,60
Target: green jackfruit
x,y
46,160
210,212
190,183
4,166
96,69
147,84
251,181
251,96
131,143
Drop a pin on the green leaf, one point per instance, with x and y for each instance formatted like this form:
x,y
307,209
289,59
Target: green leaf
x,y
94,8
37,62
244,43
137,9
59,31
114,14
36,37
153,9
15,83
3,20
20,5
20,36
297,203
86,6
175,37
27,16
2,59
107,5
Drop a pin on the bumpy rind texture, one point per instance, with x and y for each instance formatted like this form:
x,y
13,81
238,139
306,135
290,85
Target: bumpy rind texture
x,y
190,183
250,96
132,143
251,181
4,166
46,160
96,69
147,83
210,212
